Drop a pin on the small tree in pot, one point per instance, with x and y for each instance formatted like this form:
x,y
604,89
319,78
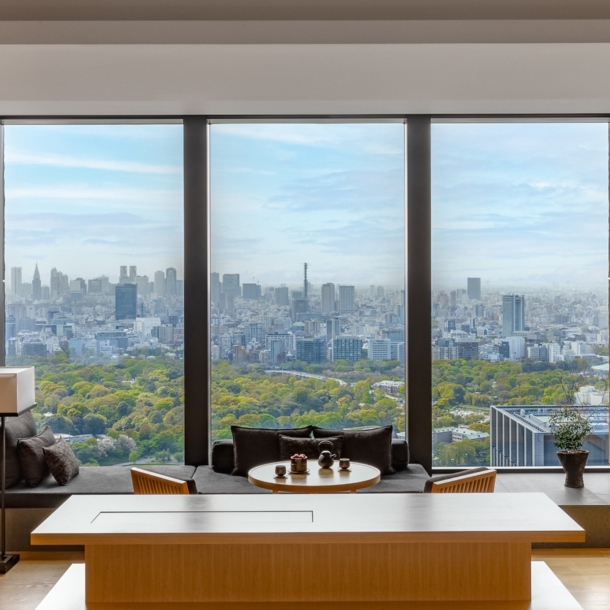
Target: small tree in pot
x,y
571,428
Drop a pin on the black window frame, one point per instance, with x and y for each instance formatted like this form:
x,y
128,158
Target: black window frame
x,y
418,281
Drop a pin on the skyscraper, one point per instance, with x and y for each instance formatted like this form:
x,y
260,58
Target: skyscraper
x,y
16,281
305,287
133,274
160,283
125,301
251,291
346,299
513,314
474,288
214,288
123,277
171,282
36,285
230,284
328,298
281,296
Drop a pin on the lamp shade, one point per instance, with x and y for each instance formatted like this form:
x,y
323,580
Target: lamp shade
x,y
17,389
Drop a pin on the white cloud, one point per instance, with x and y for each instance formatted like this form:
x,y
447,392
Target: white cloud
x,y
16,157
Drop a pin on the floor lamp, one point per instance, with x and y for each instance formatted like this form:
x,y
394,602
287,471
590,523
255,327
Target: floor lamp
x,y
17,395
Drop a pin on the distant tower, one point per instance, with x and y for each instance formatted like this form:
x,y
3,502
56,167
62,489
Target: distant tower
x,y
16,281
36,285
125,301
171,281
328,298
474,288
513,314
305,281
133,274
123,277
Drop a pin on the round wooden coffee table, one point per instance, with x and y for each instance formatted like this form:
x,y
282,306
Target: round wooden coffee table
x,y
318,481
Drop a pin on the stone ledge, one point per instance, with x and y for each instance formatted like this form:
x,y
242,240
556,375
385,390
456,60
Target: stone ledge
x,y
589,507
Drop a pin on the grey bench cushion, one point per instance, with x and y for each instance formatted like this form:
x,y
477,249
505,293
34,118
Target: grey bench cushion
x,y
107,480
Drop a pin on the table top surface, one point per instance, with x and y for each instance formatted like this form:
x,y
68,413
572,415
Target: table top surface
x,y
319,480
287,518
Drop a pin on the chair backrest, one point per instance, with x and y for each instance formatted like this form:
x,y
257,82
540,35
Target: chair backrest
x,y
481,481
145,482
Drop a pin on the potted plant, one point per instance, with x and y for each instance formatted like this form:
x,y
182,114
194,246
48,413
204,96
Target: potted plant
x,y
571,428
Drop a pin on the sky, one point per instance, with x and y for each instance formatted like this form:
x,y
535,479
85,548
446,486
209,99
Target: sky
x,y
87,199
521,205
329,195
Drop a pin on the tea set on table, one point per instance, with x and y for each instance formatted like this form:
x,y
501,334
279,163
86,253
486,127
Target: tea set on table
x,y
298,462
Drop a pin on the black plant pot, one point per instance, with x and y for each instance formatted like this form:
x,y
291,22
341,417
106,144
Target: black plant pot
x,y
573,463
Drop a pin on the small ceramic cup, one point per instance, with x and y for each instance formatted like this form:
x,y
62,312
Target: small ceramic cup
x,y
280,470
344,463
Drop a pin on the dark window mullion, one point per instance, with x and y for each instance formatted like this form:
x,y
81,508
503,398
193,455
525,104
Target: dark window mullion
x,y
419,287
196,293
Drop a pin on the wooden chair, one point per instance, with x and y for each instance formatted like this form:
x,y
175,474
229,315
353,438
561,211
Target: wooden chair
x,y
146,482
475,480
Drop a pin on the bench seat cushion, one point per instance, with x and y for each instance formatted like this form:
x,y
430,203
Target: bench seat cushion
x,y
107,480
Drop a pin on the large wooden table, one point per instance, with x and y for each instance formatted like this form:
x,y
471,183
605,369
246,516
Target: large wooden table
x,y
180,551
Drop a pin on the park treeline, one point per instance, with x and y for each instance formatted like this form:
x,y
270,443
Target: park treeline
x,y
133,406
463,391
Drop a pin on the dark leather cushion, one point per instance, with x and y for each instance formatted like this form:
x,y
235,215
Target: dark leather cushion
x,y
290,445
61,461
255,446
222,456
23,426
31,456
372,447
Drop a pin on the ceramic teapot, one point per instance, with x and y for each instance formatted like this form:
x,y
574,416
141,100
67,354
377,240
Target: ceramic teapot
x,y
326,459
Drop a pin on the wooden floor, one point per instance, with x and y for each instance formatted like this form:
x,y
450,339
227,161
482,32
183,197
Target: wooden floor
x,y
585,572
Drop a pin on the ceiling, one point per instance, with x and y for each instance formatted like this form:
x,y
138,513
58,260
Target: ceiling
x,y
117,10
244,57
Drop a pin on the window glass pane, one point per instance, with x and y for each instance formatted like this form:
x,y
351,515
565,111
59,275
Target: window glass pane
x,y
307,282
520,295
94,257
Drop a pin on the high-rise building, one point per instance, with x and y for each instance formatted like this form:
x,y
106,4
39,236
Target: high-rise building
x,y
16,281
171,282
312,351
214,288
299,306
281,296
347,348
133,274
346,299
160,283
59,283
125,301
230,284
380,349
305,286
251,291
513,314
123,277
328,298
474,288
36,285
333,328
142,285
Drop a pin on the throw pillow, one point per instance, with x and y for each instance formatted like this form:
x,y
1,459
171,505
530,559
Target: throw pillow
x,y
372,447
23,426
61,461
31,456
255,446
309,446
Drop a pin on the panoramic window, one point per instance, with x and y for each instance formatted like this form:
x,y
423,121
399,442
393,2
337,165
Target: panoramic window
x,y
520,293
307,283
94,284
